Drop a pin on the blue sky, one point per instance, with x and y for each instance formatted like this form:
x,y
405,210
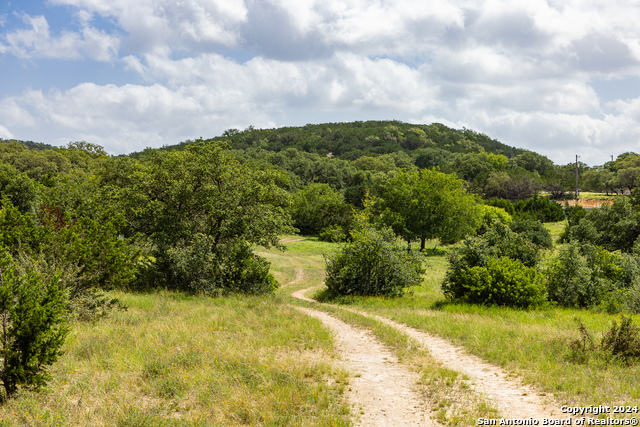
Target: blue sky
x,y
557,77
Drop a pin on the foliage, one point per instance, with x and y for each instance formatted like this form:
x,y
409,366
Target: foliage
x,y
469,277
533,231
18,188
539,208
333,233
203,267
353,140
570,280
503,281
85,254
501,203
427,204
201,202
511,185
491,214
615,227
32,314
584,275
621,342
574,214
316,207
372,263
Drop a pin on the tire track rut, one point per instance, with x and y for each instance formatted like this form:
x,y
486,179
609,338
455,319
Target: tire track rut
x,y
510,396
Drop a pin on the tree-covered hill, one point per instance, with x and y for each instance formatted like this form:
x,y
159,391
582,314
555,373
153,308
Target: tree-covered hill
x,y
352,140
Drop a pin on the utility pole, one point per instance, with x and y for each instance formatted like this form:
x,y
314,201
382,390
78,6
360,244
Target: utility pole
x,y
577,178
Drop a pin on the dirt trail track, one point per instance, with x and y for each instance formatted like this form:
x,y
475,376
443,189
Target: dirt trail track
x,y
380,388
510,396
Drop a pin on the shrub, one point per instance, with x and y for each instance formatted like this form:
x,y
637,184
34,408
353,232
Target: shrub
x,y
372,266
491,214
631,298
570,280
615,227
539,208
32,313
333,233
503,281
621,342
478,271
506,243
201,266
501,203
533,231
574,214
373,263
583,275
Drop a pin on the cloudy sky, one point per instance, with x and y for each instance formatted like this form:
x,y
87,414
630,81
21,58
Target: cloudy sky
x,y
560,77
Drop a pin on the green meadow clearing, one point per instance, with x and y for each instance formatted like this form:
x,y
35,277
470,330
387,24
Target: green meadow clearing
x,y
176,360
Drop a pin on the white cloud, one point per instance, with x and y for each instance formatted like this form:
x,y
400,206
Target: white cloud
x,y
182,25
38,42
518,71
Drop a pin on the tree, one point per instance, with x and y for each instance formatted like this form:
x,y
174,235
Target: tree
x,y
317,207
32,326
202,205
429,204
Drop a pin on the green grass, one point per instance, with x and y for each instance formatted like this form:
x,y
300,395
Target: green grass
x,y
529,343
176,360
172,360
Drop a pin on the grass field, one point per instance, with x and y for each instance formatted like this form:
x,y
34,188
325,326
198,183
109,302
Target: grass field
x,y
529,343
171,360
176,360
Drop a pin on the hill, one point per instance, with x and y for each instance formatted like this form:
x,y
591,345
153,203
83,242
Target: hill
x,y
352,140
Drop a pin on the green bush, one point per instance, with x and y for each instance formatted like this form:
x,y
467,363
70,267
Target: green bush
x,y
539,208
333,233
504,282
501,203
501,241
570,280
33,316
373,263
202,267
533,231
473,271
583,275
615,227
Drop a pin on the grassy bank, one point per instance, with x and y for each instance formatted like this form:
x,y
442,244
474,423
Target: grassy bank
x,y
171,360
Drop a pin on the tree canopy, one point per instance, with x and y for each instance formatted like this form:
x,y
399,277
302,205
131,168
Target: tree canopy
x,y
428,204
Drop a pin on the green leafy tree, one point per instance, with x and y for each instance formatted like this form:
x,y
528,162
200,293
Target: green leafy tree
x,y
202,195
317,207
32,327
428,204
615,227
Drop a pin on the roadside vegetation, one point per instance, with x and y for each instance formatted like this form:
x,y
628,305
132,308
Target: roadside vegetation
x,y
148,289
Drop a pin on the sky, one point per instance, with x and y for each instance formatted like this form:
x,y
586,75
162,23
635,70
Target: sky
x,y
559,77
